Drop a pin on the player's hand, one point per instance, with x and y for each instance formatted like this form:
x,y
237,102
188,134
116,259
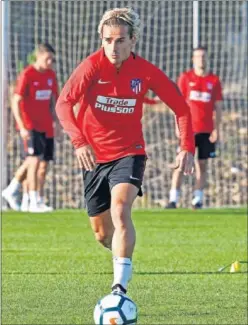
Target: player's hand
x,y
214,136
24,133
185,162
86,157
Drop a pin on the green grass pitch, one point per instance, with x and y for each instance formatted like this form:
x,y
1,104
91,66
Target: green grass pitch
x,y
53,271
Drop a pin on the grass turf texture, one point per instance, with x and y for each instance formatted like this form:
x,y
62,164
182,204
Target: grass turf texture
x,y
53,271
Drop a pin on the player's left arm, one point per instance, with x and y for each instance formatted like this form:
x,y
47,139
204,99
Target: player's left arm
x,y
217,114
169,93
215,134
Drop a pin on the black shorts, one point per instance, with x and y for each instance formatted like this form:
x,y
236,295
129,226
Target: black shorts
x,y
206,149
34,146
37,145
48,150
99,182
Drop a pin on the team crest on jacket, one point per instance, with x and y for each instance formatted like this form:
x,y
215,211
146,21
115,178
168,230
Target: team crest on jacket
x,y
50,82
209,85
135,85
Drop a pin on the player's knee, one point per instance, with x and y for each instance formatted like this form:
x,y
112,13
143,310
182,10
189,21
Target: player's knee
x,y
33,161
121,214
203,165
42,169
104,239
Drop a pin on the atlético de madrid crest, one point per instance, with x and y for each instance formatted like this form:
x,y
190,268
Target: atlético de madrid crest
x,y
135,85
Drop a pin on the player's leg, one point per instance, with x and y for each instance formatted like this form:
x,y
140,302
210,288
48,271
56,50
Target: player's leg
x,y
25,196
11,192
103,228
122,198
176,182
42,172
125,181
97,199
206,150
35,150
123,243
201,176
33,182
21,172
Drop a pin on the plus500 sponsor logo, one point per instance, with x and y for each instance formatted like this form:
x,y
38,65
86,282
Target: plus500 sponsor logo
x,y
115,105
43,94
200,96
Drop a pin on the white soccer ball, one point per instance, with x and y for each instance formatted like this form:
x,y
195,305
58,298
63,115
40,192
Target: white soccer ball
x,y
115,309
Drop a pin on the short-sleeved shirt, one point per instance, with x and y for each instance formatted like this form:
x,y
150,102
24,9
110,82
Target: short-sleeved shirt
x,y
201,93
36,89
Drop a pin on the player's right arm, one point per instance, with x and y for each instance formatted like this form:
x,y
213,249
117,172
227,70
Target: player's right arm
x,y
19,93
73,92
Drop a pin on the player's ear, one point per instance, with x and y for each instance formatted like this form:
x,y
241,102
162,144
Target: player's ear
x,y
133,40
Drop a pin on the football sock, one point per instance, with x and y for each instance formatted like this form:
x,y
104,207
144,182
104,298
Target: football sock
x,y
122,272
33,198
40,199
198,197
25,198
174,195
14,186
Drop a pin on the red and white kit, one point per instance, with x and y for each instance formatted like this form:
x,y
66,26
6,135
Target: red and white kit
x,y
37,88
200,93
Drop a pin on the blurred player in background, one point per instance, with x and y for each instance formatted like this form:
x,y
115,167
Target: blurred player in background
x,y
34,96
107,135
202,91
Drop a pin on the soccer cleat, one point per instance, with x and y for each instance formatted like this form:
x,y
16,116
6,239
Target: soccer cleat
x,y
45,207
171,205
197,206
118,288
12,200
35,208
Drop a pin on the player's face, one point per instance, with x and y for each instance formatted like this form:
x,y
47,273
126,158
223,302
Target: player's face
x,y
199,59
46,60
117,43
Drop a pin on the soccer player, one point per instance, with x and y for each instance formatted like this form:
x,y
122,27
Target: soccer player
x,y
202,91
34,93
111,85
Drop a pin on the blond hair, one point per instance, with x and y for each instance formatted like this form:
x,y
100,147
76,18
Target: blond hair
x,y
121,16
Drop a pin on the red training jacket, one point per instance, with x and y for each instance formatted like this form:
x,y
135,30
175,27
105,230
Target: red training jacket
x,y
111,106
